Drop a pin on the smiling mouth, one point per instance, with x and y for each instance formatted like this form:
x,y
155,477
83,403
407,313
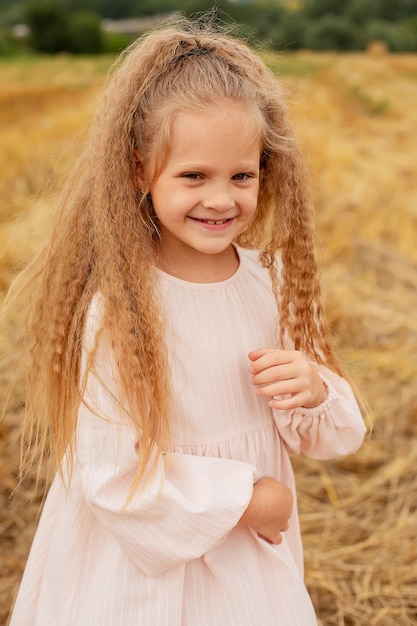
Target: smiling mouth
x,y
213,222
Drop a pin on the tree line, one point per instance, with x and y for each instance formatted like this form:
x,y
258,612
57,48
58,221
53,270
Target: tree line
x,y
76,25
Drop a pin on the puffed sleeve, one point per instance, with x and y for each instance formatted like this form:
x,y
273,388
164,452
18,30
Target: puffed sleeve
x,y
332,429
184,508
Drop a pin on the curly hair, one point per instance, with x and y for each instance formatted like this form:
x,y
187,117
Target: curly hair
x,y
104,239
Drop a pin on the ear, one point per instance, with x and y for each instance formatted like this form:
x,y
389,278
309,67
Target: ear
x,y
139,170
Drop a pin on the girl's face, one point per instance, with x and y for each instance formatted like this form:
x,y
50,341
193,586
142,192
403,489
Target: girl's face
x,y
207,191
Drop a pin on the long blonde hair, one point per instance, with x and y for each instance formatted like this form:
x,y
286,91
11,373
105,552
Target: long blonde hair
x,y
104,238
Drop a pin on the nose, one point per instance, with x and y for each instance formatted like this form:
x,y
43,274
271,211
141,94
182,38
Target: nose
x,y
219,198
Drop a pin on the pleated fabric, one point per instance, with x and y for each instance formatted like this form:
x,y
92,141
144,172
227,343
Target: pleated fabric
x,y
174,555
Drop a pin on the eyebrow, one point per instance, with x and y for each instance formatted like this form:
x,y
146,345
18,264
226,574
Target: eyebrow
x,y
196,166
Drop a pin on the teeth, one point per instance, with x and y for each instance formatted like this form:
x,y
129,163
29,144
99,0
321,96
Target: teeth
x,y
212,222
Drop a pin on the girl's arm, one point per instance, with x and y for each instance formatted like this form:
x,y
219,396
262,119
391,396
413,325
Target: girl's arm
x,y
187,506
269,509
314,409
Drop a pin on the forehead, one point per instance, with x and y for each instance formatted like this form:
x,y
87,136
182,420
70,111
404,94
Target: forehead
x,y
214,138
212,130
247,116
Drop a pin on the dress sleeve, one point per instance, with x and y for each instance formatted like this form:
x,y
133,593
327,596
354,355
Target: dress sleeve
x,y
185,507
331,429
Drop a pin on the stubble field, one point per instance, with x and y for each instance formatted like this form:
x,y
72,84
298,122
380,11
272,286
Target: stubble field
x,y
356,117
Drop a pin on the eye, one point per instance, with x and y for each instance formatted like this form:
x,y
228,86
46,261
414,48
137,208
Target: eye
x,y
242,176
192,175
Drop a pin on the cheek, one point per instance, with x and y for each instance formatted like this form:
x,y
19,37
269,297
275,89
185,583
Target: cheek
x,y
253,202
251,207
167,210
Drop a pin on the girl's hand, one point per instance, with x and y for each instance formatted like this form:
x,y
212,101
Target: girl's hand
x,y
286,373
269,510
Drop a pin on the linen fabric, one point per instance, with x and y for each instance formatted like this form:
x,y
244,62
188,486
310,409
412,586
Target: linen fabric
x,y
173,555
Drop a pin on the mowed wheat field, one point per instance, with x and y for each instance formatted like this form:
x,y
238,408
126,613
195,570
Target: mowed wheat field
x,y
356,117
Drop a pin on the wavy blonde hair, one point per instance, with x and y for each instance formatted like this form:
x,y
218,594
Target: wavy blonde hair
x,y
104,239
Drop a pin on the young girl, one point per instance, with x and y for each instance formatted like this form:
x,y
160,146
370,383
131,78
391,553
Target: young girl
x,y
179,354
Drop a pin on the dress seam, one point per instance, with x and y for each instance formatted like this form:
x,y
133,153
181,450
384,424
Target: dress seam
x,y
267,426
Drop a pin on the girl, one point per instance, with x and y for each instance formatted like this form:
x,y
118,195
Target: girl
x,y
179,354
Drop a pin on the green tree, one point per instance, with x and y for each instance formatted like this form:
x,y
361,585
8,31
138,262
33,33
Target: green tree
x,y
48,25
410,8
84,33
114,9
290,34
319,8
398,36
332,32
264,19
9,45
361,11
391,10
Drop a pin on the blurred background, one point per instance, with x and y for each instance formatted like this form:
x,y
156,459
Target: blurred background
x,y
93,26
350,71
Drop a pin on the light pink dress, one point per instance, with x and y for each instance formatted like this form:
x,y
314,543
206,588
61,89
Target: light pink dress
x,y
174,555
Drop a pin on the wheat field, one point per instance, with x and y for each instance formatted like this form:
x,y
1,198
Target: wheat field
x,y
355,116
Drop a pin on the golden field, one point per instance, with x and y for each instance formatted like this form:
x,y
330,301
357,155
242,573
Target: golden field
x,y
356,116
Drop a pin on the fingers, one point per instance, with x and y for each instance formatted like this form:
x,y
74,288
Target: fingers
x,y
271,535
286,377
277,365
288,404
274,539
268,357
278,372
256,354
276,382
273,366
